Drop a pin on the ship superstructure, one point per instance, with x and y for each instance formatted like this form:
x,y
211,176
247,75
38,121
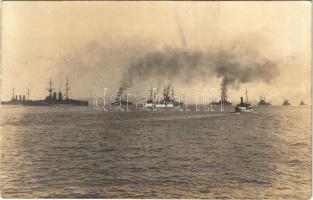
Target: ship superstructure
x,y
166,101
263,102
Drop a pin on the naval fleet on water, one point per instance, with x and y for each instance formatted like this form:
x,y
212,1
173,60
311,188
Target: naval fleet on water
x,y
53,99
167,100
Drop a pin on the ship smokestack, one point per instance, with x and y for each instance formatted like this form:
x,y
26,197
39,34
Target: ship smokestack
x,y
241,100
60,97
54,96
20,97
13,95
23,97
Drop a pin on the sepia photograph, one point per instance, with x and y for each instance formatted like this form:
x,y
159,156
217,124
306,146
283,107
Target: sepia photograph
x,y
156,100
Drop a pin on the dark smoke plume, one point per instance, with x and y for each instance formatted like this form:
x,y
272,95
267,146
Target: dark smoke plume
x,y
120,91
232,66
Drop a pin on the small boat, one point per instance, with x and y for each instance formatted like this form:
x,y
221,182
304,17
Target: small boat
x,y
244,106
302,103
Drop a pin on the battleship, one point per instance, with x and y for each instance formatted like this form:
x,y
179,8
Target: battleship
x,y
244,106
263,102
168,100
302,103
286,103
16,99
55,98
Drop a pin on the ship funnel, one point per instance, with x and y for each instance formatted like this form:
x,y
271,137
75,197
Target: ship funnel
x,y
54,96
60,97
241,100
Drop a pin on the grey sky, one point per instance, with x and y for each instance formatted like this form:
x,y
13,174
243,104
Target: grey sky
x,y
93,43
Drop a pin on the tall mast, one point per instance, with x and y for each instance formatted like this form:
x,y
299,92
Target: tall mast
x,y
67,89
246,95
50,88
27,94
13,94
151,92
154,96
164,92
172,93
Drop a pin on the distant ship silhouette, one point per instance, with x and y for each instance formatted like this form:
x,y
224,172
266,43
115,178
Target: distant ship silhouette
x,y
263,102
286,103
53,98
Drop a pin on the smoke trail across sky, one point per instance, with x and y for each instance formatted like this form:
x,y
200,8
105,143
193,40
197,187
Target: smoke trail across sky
x,y
232,66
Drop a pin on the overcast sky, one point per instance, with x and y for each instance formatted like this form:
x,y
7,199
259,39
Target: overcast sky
x,y
93,43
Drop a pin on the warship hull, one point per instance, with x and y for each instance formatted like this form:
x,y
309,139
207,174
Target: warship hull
x,y
219,103
264,104
223,101
124,103
10,103
286,103
68,102
244,108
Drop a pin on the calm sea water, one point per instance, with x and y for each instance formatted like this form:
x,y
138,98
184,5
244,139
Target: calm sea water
x,y
79,152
